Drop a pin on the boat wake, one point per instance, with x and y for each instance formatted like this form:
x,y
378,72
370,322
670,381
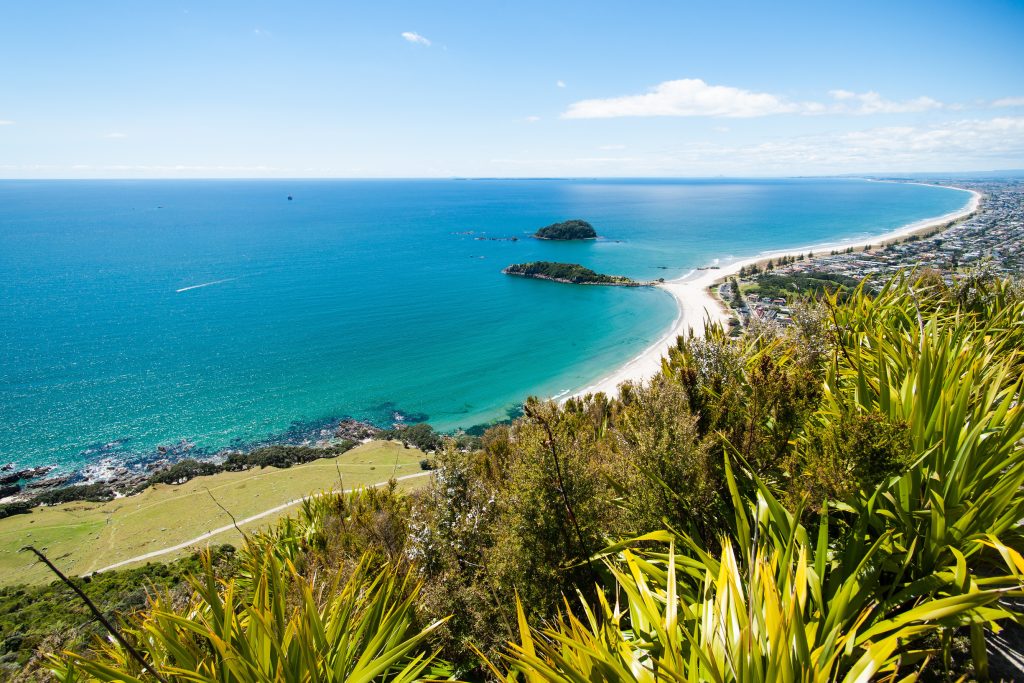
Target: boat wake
x,y
205,284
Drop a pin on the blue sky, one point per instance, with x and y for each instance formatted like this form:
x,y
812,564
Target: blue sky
x,y
411,89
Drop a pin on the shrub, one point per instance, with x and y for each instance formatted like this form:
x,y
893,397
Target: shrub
x,y
183,471
19,508
96,493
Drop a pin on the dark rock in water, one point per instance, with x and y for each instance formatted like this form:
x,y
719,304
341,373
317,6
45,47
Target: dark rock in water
x,y
7,491
49,482
7,468
355,430
27,473
33,472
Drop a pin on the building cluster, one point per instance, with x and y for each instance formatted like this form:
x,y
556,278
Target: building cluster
x,y
992,238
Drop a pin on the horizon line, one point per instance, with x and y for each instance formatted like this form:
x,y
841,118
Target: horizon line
x,y
849,176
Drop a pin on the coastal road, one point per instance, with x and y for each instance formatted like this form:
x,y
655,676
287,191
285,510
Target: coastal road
x,y
229,527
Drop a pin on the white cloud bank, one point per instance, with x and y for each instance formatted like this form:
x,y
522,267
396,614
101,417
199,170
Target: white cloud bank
x,y
873,103
964,145
971,144
694,97
415,38
1009,102
684,97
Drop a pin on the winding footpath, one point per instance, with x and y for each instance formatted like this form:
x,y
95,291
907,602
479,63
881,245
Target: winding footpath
x,y
228,527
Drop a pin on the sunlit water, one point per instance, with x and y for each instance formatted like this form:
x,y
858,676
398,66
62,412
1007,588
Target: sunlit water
x,y
135,314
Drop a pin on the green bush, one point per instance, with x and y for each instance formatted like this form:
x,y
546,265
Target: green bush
x,y
183,471
96,493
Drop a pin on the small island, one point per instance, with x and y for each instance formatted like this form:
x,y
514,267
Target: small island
x,y
575,229
570,273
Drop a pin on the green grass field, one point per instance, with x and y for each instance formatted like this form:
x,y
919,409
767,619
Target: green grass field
x,y
84,537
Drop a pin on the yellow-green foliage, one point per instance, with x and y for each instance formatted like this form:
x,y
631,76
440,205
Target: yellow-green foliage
x,y
925,549
284,627
772,617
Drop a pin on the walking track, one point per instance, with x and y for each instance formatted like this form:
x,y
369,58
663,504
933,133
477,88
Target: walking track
x,y
228,527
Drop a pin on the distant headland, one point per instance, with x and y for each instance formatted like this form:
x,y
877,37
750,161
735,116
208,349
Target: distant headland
x,y
575,229
570,273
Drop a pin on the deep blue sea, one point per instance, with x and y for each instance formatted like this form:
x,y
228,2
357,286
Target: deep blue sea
x,y
135,314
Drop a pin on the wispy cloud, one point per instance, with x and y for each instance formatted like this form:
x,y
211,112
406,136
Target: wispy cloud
x,y
609,148
416,38
1009,102
694,97
954,144
848,102
6,122
532,119
685,97
967,144
115,136
560,83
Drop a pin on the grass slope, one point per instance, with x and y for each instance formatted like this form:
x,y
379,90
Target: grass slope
x,y
84,537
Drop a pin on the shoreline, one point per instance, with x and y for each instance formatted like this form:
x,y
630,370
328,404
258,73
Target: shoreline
x,y
696,304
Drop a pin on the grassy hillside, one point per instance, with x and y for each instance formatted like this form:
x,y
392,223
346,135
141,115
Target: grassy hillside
x,y
89,536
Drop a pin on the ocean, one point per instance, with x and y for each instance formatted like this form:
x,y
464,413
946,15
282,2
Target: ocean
x,y
138,314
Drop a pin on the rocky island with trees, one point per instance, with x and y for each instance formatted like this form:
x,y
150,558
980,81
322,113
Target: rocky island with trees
x,y
570,273
575,229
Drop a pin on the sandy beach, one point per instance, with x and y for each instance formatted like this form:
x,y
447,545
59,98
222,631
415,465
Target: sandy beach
x,y
696,304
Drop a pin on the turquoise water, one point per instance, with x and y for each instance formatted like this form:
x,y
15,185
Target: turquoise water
x,y
361,298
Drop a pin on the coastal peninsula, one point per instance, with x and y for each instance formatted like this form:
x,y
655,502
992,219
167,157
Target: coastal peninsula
x,y
575,229
699,300
570,273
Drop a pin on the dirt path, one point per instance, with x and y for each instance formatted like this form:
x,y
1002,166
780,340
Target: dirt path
x,y
228,527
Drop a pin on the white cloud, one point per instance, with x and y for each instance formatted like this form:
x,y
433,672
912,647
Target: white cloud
x,y
970,144
694,97
686,97
260,32
416,38
873,103
1009,102
721,129
977,143
560,83
5,122
532,119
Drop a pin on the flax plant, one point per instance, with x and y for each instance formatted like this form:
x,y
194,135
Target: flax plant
x,y
953,374
289,628
778,609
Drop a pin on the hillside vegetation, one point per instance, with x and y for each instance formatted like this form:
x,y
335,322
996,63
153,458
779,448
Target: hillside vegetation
x,y
89,536
838,500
